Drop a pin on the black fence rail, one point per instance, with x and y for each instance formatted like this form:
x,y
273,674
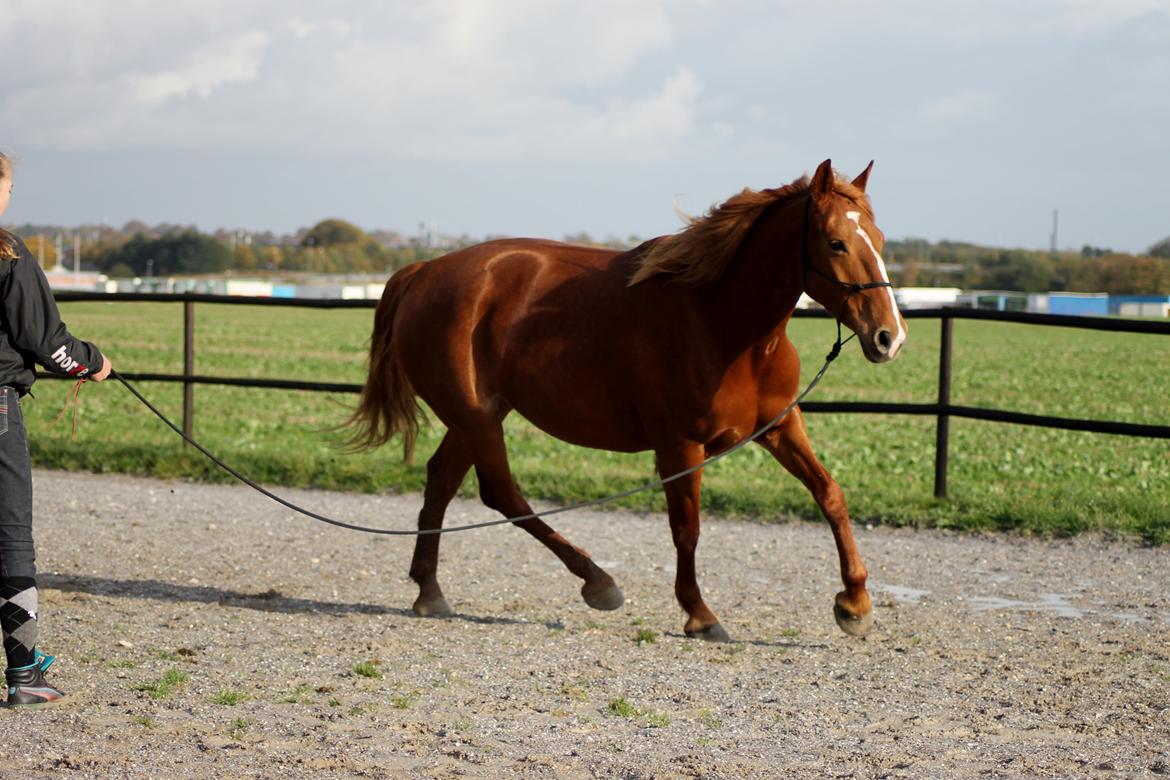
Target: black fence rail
x,y
943,410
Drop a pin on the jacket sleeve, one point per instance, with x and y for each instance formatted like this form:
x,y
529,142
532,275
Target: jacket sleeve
x,y
35,323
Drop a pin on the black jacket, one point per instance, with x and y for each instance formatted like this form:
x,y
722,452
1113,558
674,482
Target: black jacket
x,y
31,330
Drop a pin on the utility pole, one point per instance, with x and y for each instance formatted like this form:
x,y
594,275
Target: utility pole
x,y
1052,244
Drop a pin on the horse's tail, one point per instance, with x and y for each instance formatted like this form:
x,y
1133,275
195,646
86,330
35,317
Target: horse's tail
x,y
388,404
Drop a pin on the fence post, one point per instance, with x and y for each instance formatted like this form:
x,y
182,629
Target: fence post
x,y
188,367
942,433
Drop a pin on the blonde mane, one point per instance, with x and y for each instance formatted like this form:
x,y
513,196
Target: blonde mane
x,y
702,251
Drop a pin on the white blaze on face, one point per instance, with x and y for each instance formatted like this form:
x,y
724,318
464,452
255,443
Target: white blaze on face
x,y
855,217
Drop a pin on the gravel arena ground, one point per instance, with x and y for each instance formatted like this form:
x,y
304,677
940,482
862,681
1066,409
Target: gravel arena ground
x,y
205,631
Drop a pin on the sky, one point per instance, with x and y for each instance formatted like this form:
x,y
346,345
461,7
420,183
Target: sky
x,y
548,118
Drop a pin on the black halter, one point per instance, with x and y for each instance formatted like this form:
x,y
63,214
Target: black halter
x,y
852,287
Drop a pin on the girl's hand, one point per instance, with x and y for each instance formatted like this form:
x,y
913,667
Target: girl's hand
x,y
107,367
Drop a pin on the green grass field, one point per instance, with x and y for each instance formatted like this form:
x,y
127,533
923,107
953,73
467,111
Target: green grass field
x,y
1003,477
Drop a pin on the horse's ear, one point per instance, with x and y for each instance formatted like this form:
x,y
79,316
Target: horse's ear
x,y
863,177
822,181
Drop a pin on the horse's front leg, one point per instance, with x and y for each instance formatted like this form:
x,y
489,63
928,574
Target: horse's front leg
x,y
682,502
788,442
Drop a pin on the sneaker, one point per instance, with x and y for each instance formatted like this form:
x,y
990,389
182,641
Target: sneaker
x,y
27,686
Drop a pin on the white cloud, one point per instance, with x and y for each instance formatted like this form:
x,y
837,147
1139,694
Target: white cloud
x,y
499,127
668,114
441,80
557,42
233,61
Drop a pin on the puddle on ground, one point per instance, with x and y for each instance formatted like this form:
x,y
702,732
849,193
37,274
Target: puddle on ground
x,y
901,594
1055,603
1128,617
1058,604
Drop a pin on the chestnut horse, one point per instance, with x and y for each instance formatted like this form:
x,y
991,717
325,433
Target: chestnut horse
x,y
677,346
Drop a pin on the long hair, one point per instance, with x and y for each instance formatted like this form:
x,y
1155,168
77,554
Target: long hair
x,y
701,252
9,244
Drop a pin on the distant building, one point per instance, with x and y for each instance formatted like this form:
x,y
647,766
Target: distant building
x,y
317,288
1085,304
251,287
61,278
926,297
1140,305
1003,300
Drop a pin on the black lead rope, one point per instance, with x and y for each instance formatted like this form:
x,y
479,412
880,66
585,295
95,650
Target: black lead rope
x,y
503,521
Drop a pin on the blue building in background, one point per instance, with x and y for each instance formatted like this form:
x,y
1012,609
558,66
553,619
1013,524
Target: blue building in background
x,y
1083,304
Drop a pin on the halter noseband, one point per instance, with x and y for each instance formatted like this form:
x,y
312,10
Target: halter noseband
x,y
853,287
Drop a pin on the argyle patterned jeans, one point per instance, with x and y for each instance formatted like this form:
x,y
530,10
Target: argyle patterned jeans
x,y
18,593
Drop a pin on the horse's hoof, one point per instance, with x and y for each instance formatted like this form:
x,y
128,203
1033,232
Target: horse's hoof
x,y
605,599
435,607
712,633
853,625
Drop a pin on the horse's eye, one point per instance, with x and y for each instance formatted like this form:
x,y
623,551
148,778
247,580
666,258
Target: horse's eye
x,y
837,245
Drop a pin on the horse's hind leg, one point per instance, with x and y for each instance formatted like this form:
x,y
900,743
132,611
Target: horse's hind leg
x,y
499,492
788,442
445,472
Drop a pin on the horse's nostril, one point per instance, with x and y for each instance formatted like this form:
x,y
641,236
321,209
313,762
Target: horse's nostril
x,y
884,340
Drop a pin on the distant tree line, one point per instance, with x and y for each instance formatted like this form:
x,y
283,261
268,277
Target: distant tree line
x,y
970,266
330,247
334,246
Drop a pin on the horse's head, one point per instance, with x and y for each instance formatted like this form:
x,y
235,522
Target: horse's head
x,y
844,271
